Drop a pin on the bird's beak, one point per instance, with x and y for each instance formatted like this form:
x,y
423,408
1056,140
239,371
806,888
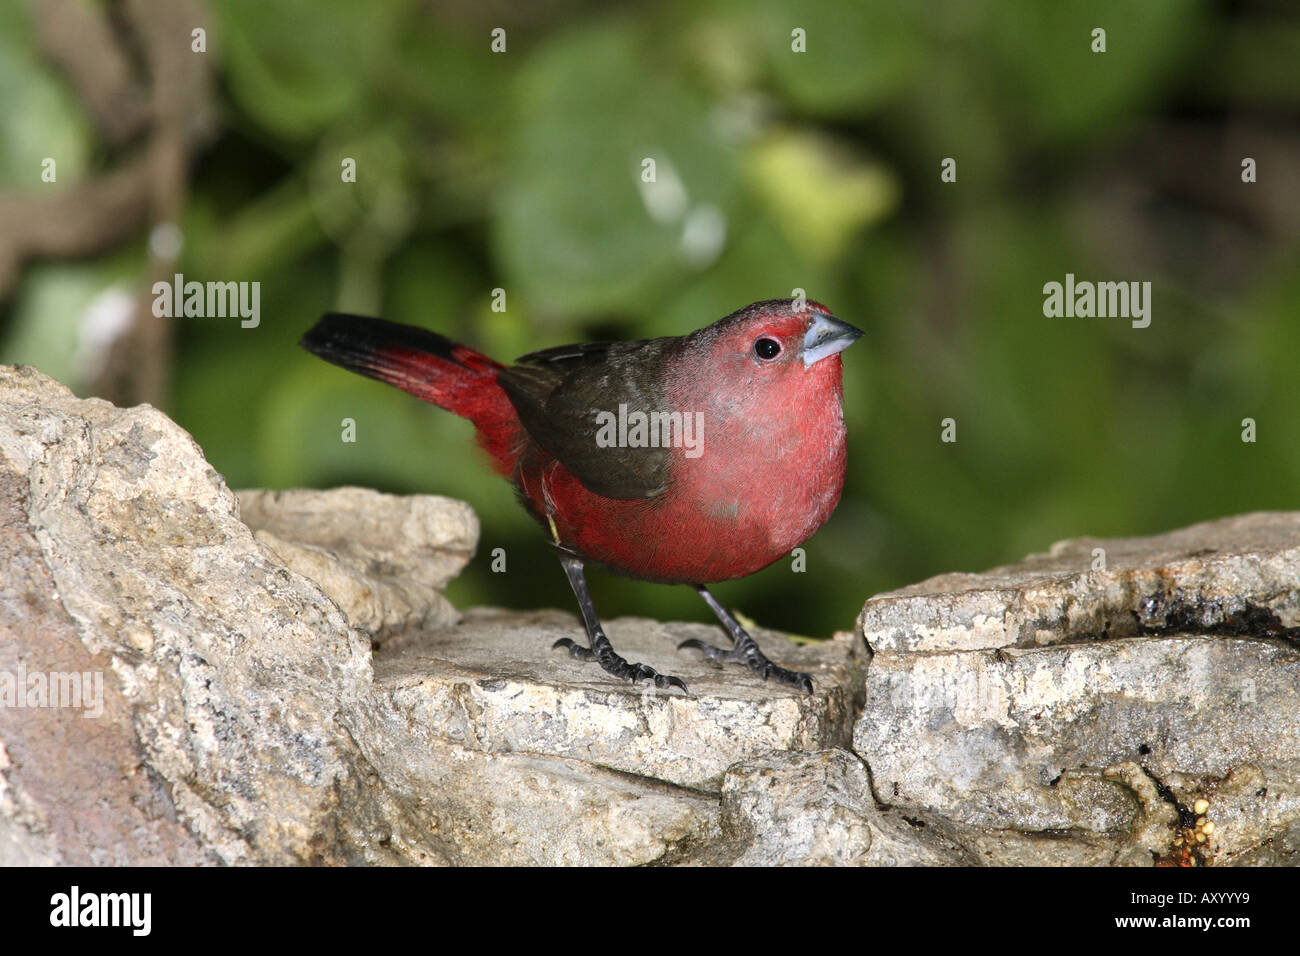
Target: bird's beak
x,y
825,337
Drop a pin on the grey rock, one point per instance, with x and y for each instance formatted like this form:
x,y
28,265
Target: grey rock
x,y
384,559
986,740
1228,576
238,719
220,669
815,809
458,805
229,712
1022,700
494,684
1255,810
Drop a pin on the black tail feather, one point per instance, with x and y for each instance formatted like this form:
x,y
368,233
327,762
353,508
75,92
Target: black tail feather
x,y
357,342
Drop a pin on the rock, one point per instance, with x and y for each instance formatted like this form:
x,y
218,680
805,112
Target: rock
x,y
1022,699
463,806
494,684
230,713
816,809
216,669
1232,576
384,559
513,753
177,689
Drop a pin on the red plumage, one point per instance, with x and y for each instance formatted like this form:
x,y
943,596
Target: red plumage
x,y
765,472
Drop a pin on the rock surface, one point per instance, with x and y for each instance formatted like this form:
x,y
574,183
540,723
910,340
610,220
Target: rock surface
x,y
816,809
239,720
220,669
494,685
177,688
383,559
1022,699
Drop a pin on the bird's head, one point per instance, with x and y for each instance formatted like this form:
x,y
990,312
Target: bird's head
x,y
784,347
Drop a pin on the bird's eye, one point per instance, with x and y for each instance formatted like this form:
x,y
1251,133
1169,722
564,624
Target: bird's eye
x,y
766,348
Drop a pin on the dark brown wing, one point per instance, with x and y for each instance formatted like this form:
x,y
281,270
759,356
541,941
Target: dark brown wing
x,y
559,394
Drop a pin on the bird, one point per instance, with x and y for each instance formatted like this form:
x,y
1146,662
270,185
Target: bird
x,y
688,459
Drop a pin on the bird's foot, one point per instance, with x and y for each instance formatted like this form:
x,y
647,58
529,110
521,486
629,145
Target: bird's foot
x,y
746,652
619,666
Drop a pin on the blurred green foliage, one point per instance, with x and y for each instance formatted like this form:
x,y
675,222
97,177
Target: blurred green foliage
x,y
816,170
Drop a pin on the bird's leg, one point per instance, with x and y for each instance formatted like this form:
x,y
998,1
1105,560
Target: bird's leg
x,y
744,651
601,651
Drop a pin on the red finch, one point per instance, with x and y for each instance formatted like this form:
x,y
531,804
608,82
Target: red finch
x,y
683,460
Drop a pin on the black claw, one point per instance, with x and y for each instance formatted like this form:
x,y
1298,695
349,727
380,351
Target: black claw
x,y
576,650
712,654
644,672
614,664
746,652
601,651
793,678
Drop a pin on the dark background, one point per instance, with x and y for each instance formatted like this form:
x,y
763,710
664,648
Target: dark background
x,y
818,170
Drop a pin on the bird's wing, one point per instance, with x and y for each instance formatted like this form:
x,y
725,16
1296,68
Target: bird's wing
x,y
559,394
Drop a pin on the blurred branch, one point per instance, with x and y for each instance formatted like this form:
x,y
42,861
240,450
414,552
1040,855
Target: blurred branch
x,y
78,221
137,368
78,39
171,106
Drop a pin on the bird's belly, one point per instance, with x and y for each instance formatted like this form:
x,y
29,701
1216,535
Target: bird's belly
x,y
707,526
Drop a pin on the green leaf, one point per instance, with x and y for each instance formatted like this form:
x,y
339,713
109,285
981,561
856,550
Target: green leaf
x,y
856,55
577,230
298,66
1043,55
819,190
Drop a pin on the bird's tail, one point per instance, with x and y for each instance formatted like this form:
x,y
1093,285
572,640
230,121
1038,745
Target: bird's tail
x,y
429,366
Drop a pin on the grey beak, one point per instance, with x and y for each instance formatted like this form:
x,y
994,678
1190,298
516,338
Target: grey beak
x,y
825,337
